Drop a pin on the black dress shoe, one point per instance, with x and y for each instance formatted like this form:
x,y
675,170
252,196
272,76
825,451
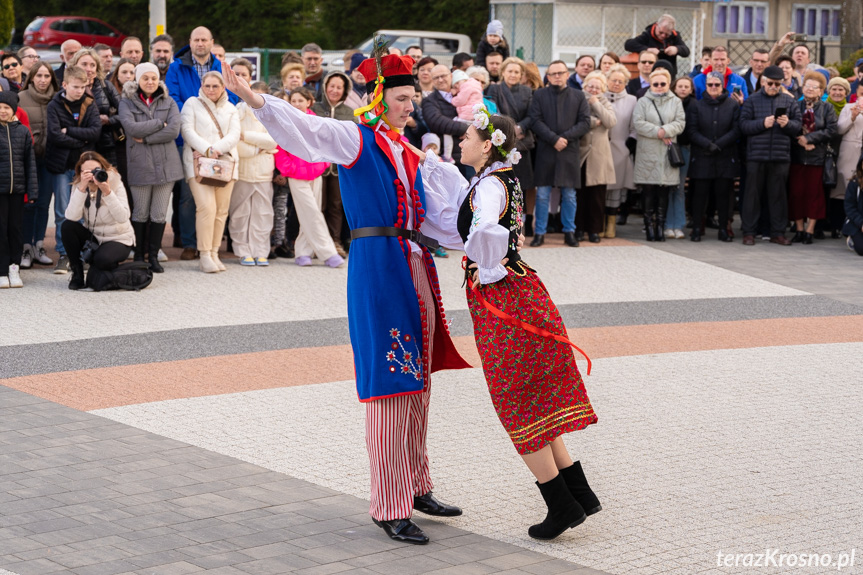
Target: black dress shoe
x,y
579,236
403,530
570,239
537,240
798,238
429,505
593,238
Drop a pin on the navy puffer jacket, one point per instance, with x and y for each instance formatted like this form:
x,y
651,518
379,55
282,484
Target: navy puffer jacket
x,y
17,160
773,144
713,121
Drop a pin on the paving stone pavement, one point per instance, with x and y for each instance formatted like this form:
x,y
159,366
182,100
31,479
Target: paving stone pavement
x,y
729,417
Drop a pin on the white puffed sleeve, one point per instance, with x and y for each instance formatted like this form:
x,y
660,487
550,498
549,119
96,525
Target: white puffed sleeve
x,y
445,191
309,137
488,241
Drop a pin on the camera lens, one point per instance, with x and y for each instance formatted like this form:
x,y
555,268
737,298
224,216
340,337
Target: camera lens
x,y
100,175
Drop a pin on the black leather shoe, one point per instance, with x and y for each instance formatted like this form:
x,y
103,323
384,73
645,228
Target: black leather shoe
x,y
403,530
537,240
570,239
429,505
593,238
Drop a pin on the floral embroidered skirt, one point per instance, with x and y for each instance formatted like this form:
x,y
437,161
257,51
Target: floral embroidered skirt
x,y
534,383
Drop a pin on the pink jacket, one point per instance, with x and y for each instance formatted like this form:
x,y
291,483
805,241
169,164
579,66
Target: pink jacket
x,y
293,167
469,94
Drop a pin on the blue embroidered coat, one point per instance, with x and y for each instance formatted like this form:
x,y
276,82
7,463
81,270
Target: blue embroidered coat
x,y
387,334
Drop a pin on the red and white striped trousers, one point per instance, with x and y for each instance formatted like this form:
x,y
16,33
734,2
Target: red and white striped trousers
x,y
396,430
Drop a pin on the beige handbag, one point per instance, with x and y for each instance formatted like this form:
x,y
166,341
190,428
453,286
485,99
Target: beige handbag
x,y
216,172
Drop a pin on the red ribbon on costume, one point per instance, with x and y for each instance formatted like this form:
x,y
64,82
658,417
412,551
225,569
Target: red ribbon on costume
x,y
522,324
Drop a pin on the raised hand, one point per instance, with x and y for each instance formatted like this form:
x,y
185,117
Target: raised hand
x,y
241,88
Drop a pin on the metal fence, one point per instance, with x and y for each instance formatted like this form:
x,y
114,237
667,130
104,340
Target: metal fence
x,y
544,32
740,51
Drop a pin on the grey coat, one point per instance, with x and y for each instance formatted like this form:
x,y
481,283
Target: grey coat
x,y
558,113
651,155
156,160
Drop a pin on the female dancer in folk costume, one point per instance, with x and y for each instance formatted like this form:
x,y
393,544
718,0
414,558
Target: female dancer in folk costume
x,y
396,321
534,384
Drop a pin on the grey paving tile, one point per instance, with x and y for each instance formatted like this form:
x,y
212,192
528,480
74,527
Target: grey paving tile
x,y
275,565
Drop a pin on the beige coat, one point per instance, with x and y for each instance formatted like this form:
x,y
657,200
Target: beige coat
x,y
257,149
111,223
595,147
849,150
200,133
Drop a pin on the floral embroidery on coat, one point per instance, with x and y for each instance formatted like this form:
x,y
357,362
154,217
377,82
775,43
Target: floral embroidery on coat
x,y
401,357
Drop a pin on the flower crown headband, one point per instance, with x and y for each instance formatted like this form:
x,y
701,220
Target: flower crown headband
x,y
482,121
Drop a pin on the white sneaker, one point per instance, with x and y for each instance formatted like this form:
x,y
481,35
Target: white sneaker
x,y
162,257
40,257
848,242
131,255
678,234
27,257
4,282
15,277
669,233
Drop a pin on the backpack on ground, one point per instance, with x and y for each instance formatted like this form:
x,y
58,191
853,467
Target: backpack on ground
x,y
132,276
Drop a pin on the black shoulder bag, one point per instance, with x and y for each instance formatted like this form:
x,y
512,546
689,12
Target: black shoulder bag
x,y
675,155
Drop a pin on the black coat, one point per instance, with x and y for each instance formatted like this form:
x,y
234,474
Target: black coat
x,y
683,139
647,40
515,103
483,49
826,129
853,209
439,117
18,163
107,100
558,113
634,87
717,122
774,144
63,150
748,77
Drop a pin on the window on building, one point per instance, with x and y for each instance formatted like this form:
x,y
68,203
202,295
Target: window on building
x,y
816,20
741,19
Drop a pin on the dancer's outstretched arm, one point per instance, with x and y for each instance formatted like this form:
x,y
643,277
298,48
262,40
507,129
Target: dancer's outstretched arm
x,y
311,138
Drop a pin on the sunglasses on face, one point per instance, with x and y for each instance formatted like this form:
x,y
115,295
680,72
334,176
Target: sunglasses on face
x,y
660,84
651,62
714,85
10,65
771,83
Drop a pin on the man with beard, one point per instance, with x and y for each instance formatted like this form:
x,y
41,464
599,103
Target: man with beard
x,y
162,53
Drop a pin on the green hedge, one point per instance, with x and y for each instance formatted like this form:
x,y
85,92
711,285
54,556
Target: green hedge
x,y
846,68
7,21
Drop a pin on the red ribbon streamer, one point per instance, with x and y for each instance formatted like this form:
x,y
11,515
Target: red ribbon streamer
x,y
524,325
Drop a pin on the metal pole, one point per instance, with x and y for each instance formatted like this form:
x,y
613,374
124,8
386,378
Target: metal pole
x,y
158,18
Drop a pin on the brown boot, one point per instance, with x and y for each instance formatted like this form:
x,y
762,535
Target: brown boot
x,y
611,226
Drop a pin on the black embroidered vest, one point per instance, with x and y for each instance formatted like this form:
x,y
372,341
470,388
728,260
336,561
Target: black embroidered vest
x,y
511,218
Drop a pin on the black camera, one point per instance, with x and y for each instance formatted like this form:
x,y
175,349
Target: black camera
x,y
100,175
87,250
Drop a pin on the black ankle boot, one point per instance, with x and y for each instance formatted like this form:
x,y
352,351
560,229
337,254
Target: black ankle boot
x,y
140,232
648,229
77,281
807,238
537,240
563,510
798,238
156,231
528,226
575,480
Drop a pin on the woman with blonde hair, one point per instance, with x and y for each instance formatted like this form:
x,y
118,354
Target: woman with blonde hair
x,y
292,75
597,164
532,77
658,118
621,139
210,128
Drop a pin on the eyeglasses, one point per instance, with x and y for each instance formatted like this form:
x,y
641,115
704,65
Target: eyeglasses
x,y
660,84
10,65
441,77
556,74
772,83
714,85
34,56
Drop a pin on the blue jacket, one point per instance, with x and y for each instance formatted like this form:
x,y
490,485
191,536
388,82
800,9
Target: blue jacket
x,y
731,80
183,82
387,332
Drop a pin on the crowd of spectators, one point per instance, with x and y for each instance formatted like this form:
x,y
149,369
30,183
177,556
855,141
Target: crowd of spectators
x,y
115,144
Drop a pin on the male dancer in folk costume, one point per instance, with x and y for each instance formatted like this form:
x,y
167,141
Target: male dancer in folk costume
x,y
534,384
397,327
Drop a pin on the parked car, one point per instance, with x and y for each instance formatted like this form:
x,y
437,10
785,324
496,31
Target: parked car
x,y
441,45
51,31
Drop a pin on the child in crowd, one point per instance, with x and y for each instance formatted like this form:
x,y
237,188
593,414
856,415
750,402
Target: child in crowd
x,y
251,212
493,41
431,142
466,93
304,179
18,163
282,246
74,127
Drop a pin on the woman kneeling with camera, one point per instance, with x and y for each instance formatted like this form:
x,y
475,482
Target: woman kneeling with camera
x,y
99,200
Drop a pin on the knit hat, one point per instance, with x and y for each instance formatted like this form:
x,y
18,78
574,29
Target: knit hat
x,y
430,138
356,60
145,67
839,82
663,64
10,99
773,73
717,76
458,76
495,27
